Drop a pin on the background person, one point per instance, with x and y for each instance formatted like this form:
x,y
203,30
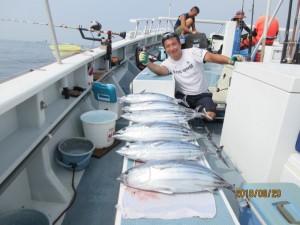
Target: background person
x,y
239,18
186,21
187,67
272,32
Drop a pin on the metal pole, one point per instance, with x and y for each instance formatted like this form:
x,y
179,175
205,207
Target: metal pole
x,y
169,15
260,40
265,31
250,35
297,53
57,54
294,30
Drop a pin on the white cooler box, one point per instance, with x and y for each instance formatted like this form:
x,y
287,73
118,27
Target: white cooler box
x,y
149,82
291,170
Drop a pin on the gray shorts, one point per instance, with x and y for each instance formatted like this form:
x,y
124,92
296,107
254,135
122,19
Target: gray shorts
x,y
204,100
178,30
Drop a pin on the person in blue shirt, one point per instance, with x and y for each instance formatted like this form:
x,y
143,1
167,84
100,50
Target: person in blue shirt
x,y
239,16
186,22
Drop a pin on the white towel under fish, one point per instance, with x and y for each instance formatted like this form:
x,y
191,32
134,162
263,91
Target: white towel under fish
x,y
137,204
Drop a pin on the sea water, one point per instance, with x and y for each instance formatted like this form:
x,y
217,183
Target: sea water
x,y
17,57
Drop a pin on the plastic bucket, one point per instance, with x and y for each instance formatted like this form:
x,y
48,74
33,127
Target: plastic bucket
x,y
75,151
79,166
24,217
99,127
217,42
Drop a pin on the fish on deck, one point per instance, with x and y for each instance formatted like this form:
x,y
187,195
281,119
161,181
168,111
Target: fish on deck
x,y
173,177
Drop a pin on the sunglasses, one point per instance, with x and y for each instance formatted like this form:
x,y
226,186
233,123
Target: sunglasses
x,y
168,36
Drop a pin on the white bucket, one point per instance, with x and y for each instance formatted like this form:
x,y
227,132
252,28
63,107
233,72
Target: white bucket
x,y
217,42
99,127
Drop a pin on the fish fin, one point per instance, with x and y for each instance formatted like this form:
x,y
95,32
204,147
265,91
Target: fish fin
x,y
165,190
149,124
157,143
213,190
143,91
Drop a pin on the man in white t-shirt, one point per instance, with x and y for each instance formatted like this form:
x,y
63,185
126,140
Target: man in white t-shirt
x,y
186,65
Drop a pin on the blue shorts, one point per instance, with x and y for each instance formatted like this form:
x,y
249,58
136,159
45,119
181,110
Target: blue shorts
x,y
203,99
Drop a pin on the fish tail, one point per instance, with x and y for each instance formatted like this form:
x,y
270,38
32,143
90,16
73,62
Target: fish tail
x,y
220,156
197,108
122,99
183,100
242,201
231,187
209,152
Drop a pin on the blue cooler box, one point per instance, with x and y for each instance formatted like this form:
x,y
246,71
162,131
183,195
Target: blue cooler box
x,y
104,92
276,203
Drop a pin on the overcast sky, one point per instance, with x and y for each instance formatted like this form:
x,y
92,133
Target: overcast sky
x,y
115,14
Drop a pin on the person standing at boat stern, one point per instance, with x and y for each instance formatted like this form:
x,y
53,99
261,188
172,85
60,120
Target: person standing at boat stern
x,y
272,32
187,67
239,18
186,21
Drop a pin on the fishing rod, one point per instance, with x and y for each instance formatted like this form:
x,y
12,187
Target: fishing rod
x,y
94,27
296,58
250,35
285,44
296,22
243,6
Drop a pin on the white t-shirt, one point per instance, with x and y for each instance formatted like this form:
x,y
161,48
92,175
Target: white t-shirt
x,y
188,71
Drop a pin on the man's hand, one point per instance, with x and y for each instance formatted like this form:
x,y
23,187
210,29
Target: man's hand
x,y
144,58
235,58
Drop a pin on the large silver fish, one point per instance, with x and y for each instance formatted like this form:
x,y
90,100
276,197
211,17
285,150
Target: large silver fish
x,y
160,115
153,105
172,177
149,96
162,150
156,131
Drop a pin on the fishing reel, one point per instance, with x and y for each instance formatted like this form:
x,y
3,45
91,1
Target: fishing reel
x,y
95,25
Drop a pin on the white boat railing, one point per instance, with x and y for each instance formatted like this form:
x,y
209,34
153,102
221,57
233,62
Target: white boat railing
x,y
222,23
149,24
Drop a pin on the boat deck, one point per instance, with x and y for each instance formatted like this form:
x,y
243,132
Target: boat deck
x,y
98,191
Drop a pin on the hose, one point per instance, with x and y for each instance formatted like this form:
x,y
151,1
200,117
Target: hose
x,y
74,165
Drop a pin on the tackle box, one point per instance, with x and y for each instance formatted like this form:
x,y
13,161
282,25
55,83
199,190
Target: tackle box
x,y
276,203
104,92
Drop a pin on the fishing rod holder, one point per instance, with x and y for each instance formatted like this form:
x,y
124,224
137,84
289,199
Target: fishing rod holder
x,y
81,29
96,27
107,42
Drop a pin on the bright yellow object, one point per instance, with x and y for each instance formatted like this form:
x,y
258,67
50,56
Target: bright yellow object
x,y
66,49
